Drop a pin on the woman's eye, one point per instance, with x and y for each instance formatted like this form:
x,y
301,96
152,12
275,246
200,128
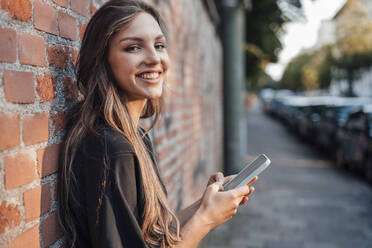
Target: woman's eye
x,y
160,46
132,48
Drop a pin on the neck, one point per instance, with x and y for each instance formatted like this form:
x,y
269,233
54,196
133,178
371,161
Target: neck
x,y
135,108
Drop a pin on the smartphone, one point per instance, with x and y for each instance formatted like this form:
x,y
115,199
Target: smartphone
x,y
249,172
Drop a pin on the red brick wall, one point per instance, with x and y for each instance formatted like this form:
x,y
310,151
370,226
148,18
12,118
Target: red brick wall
x,y
39,40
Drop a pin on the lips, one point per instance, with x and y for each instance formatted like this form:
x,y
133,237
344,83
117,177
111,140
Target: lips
x,y
149,76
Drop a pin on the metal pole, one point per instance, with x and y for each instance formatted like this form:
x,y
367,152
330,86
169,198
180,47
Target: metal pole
x,y
233,18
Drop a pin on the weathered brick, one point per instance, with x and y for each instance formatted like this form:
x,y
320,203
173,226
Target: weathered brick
x,y
62,3
10,130
58,56
47,160
74,55
35,128
10,216
19,170
82,28
29,238
31,49
45,17
67,26
19,9
58,121
50,230
19,86
8,45
92,8
79,6
46,85
37,201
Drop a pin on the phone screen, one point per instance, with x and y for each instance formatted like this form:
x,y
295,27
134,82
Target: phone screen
x,y
249,172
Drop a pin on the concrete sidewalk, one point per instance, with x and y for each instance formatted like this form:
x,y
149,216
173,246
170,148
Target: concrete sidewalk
x,y
301,201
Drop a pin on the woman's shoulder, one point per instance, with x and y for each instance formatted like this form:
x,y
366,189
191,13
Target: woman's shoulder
x,y
108,140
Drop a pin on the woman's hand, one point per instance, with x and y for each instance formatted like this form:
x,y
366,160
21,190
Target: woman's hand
x,y
218,206
219,176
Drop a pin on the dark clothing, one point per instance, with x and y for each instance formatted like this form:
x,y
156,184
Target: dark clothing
x,y
117,222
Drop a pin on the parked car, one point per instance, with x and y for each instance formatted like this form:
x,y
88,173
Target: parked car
x,y
278,100
355,150
266,96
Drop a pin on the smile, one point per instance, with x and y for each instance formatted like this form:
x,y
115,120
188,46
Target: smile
x,y
147,75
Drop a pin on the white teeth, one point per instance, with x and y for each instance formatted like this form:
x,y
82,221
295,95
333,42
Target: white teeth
x,y
152,75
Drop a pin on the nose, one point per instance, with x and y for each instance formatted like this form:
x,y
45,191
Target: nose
x,y
152,57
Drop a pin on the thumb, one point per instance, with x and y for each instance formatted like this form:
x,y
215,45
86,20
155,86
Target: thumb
x,y
216,186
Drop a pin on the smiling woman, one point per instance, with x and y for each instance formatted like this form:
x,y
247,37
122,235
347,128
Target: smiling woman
x,y
139,59
110,190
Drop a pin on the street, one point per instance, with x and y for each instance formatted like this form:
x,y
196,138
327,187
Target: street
x,y
301,200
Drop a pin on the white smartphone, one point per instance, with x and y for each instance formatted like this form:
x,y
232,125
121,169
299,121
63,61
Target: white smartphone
x,y
249,172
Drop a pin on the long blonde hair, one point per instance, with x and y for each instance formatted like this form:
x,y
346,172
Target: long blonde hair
x,y
102,99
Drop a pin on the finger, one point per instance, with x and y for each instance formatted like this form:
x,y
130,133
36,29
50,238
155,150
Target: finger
x,y
253,180
243,190
219,177
216,186
251,190
228,178
244,200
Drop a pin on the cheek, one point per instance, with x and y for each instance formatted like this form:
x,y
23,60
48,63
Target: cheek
x,y
166,62
121,66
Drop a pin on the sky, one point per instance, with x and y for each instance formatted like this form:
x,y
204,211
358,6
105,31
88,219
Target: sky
x,y
302,35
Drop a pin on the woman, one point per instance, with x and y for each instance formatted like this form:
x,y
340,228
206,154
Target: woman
x,y
110,192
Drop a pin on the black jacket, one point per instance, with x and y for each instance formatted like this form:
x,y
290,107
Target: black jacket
x,y
117,222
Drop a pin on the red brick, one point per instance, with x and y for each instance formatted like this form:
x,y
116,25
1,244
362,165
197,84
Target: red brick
x,y
19,170
74,55
10,130
47,160
82,28
19,86
67,26
46,85
31,50
58,121
45,17
70,88
8,45
63,3
92,8
19,9
50,230
37,202
79,6
29,238
35,128
58,56
10,216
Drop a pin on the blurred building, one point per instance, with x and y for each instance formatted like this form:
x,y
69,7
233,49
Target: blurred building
x,y
357,13
326,34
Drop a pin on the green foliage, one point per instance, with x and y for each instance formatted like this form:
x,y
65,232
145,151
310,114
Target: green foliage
x,y
263,26
264,22
353,48
260,80
292,76
309,71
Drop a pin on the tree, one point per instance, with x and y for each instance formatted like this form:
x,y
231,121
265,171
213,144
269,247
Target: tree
x,y
353,48
264,26
293,77
308,71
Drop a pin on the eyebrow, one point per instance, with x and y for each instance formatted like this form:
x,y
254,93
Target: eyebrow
x,y
140,39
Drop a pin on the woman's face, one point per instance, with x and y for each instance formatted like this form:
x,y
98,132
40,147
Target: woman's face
x,y
139,59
